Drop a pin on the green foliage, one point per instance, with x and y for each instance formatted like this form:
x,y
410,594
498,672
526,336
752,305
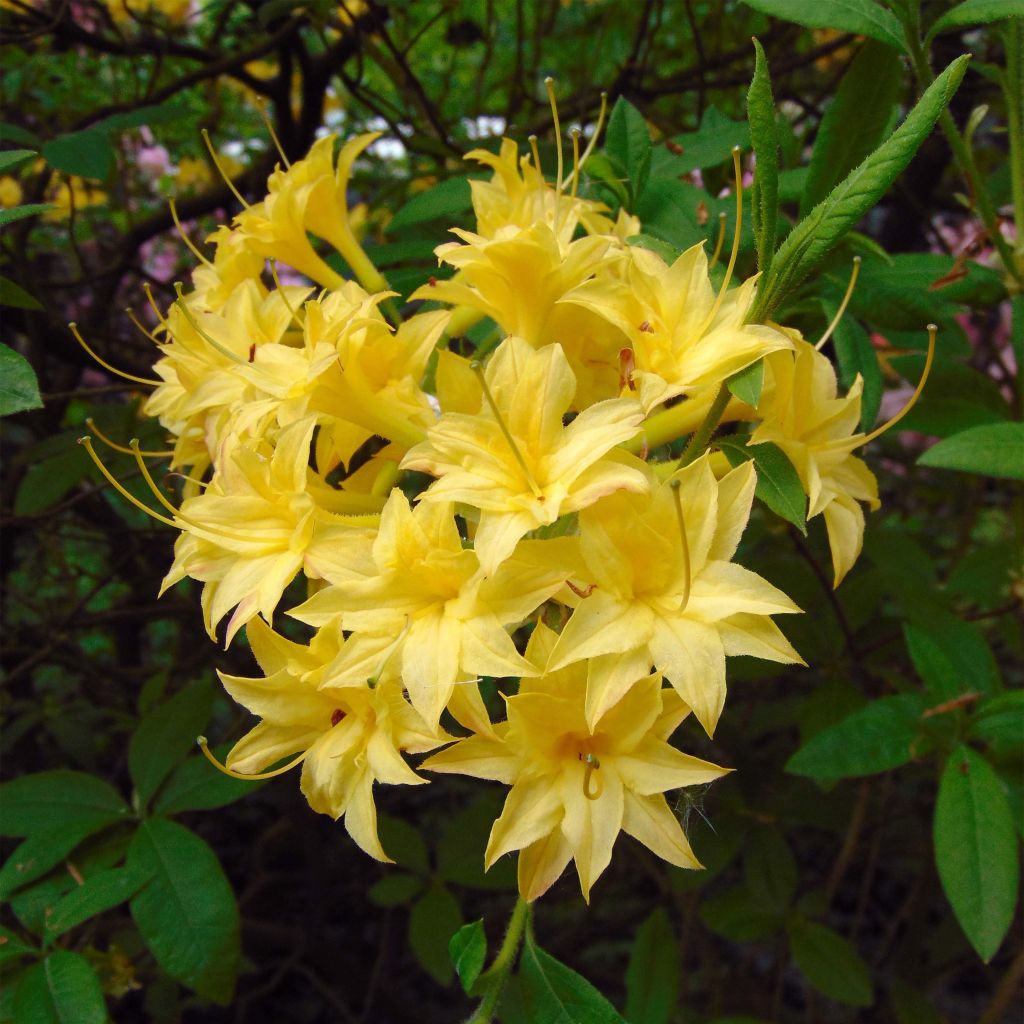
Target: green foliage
x,y
764,200
468,950
778,484
829,962
19,389
61,988
652,977
628,147
994,449
862,17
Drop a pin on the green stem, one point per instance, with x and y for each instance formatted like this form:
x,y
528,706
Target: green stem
x,y
495,976
696,445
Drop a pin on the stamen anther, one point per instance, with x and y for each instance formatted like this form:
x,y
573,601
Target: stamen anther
x,y
593,785
91,424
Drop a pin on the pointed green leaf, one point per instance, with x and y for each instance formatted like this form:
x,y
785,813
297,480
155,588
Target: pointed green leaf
x,y
195,785
652,977
992,449
394,889
829,963
976,12
14,213
556,994
976,850
468,950
11,946
61,989
187,913
87,154
42,851
856,121
1000,718
628,144
735,915
935,668
101,892
770,871
14,295
12,157
862,17
778,484
446,199
874,739
764,135
19,389
33,803
435,918
746,385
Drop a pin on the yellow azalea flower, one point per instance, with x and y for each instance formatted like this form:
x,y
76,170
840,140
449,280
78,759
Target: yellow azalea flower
x,y
668,593
682,337
10,192
256,525
426,590
351,737
71,192
576,786
802,413
233,264
516,463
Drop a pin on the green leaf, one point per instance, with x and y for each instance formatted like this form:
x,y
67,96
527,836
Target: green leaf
x,y
447,199
166,735
14,295
42,851
161,113
936,670
101,892
964,645
468,950
61,989
395,889
994,449
765,137
856,355
15,133
9,216
999,718
19,389
460,850
599,168
87,154
11,946
710,145
862,17
435,918
187,913
829,963
652,976
628,144
556,994
976,850
403,843
735,915
670,210
855,122
669,253
778,484
195,785
812,239
770,871
910,1006
12,157
747,383
33,803
874,739
976,12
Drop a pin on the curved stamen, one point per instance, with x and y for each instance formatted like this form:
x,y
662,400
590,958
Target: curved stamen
x,y
86,443
933,330
685,544
256,776
549,85
284,295
710,318
179,291
130,313
842,305
477,367
220,170
720,241
91,424
593,785
73,327
597,131
574,178
532,139
134,449
192,248
262,107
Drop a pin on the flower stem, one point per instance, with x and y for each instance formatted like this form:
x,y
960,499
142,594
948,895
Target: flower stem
x,y
696,445
493,979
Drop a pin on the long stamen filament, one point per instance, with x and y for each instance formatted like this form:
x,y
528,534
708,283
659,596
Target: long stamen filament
x,y
842,305
192,248
220,169
549,85
179,291
710,318
130,313
255,777
156,309
86,443
684,542
262,107
73,327
134,448
720,241
478,369
284,295
91,424
593,784
532,139
933,330
574,178
597,131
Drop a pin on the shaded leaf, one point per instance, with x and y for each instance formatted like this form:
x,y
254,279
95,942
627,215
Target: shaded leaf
x,y
195,785
11,946
652,976
14,213
468,950
829,963
42,851
765,138
14,295
33,803
735,915
862,17
435,918
394,889
976,12
101,892
87,154
778,484
61,989
12,157
556,994
993,449
446,199
19,389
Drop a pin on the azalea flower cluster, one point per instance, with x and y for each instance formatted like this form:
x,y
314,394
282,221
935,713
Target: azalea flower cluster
x,y
498,514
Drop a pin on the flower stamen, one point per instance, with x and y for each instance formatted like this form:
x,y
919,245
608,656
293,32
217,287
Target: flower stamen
x,y
192,248
593,785
73,327
91,424
933,330
685,544
192,322
256,776
710,318
86,443
220,170
720,241
842,305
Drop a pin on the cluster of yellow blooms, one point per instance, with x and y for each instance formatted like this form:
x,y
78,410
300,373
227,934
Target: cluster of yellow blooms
x,y
298,414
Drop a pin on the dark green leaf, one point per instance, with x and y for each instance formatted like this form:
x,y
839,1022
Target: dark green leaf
x,y
964,646
446,199
977,12
87,154
862,17
101,892
61,989
12,157
994,449
764,135
976,850
166,735
599,168
747,383
829,963
809,243
856,355
195,785
42,851
163,113
628,144
19,389
460,850
435,918
855,122
403,843
11,946
652,977
468,950
556,994
778,484
710,145
1000,718
670,210
395,889
44,800
18,212
770,871
669,253
15,133
735,915
936,670
874,739
909,1006
50,479
14,295
187,913
1017,329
